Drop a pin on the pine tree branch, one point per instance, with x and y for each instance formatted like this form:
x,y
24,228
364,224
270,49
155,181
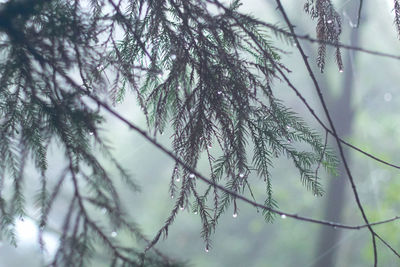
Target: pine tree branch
x,y
313,113
144,134
190,169
89,221
326,128
396,9
223,189
308,38
188,162
341,152
17,8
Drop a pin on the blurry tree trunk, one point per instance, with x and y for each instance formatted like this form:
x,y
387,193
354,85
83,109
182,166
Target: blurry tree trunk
x,y
342,113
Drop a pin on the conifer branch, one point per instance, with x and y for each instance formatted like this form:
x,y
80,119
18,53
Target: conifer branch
x,y
202,73
222,188
280,31
310,109
322,100
397,16
197,174
329,28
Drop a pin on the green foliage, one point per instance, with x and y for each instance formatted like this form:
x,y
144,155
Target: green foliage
x,y
397,15
329,28
207,75
212,83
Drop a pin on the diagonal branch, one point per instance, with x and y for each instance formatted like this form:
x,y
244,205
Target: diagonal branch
x,y
359,13
172,155
313,113
308,38
144,134
387,245
341,152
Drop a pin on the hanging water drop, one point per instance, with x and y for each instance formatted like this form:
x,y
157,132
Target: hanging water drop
x,y
235,215
181,208
335,227
195,212
173,57
191,175
283,216
340,70
177,179
114,234
219,92
329,21
206,249
172,196
241,175
91,133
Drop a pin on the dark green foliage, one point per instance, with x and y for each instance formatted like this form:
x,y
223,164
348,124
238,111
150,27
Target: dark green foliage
x,y
397,15
213,85
208,75
329,28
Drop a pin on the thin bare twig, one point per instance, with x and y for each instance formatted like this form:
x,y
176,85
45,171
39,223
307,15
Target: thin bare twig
x,y
313,113
359,13
208,181
143,133
151,140
341,152
308,38
387,245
